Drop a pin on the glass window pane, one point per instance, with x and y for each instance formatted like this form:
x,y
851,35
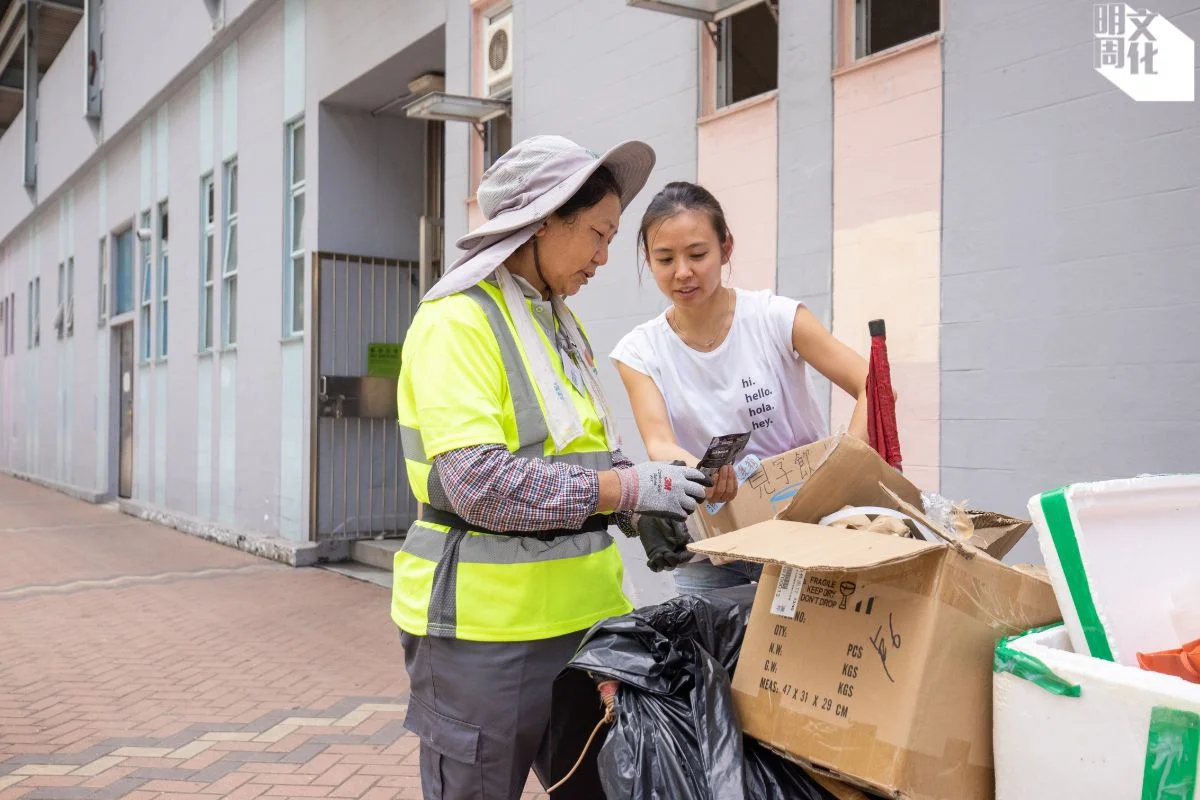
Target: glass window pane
x,y
162,330
754,53
164,227
70,279
499,138
208,317
145,323
102,288
231,312
297,294
231,250
125,279
890,22
232,179
298,222
163,276
208,258
209,204
298,153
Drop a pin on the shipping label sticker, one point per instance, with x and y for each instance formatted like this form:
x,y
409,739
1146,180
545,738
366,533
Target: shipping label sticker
x,y
787,592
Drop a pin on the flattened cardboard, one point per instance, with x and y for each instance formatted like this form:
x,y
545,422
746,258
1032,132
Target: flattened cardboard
x,y
812,546
879,672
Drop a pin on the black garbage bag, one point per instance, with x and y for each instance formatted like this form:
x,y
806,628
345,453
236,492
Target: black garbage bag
x,y
675,736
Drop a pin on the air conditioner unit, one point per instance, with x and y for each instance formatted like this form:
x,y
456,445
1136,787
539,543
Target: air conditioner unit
x,y
498,53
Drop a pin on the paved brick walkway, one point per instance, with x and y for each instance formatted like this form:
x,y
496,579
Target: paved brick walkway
x,y
137,662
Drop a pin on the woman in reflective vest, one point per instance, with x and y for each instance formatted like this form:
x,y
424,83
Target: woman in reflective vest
x,y
511,448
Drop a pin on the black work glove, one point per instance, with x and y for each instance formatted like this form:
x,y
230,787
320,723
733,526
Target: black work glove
x,y
665,542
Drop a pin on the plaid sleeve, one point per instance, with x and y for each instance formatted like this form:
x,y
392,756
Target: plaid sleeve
x,y
490,487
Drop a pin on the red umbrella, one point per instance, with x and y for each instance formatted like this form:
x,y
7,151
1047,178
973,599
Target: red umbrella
x,y
881,401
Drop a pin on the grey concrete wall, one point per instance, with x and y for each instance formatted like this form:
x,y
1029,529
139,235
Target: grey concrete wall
x,y
805,241
67,380
372,174
600,72
346,39
458,137
1070,288
259,427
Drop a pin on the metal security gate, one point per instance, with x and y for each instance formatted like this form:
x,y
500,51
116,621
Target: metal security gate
x,y
362,308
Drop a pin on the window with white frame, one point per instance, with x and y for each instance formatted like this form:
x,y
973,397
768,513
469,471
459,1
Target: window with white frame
x,y
229,263
125,273
747,45
497,136
70,307
35,314
208,220
293,318
163,276
102,288
60,314
883,24
4,325
145,298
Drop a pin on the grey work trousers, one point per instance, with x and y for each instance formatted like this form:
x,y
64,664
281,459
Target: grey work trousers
x,y
481,710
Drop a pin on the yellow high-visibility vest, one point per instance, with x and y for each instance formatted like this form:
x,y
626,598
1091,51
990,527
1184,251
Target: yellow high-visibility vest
x,y
465,381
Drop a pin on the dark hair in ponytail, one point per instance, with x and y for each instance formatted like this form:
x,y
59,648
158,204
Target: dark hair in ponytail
x,y
676,197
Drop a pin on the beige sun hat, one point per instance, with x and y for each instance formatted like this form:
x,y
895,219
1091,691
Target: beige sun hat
x,y
524,187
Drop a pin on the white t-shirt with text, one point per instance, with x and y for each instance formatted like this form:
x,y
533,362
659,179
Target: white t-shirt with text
x,y
753,381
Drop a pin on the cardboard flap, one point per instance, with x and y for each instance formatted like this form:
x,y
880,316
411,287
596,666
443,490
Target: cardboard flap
x,y
919,516
816,547
849,476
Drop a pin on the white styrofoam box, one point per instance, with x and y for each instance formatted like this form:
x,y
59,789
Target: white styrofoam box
x,y
1125,734
1119,553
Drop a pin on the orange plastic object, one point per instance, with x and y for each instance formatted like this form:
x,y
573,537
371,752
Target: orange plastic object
x,y
1183,662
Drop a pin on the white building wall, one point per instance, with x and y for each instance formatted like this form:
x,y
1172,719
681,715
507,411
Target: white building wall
x,y
205,424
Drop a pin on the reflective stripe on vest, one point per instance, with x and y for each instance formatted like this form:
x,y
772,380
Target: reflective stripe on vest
x,y
532,430
449,550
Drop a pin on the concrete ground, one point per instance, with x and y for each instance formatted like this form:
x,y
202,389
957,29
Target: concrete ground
x,y
138,662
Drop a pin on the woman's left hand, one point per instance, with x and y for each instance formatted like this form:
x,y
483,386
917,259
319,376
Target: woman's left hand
x,y
725,486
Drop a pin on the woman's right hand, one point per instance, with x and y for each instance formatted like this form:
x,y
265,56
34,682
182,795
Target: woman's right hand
x,y
725,486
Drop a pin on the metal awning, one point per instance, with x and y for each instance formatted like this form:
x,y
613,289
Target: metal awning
x,y
456,107
56,21
703,10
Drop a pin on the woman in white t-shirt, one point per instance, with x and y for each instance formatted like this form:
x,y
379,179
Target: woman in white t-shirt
x,y
723,360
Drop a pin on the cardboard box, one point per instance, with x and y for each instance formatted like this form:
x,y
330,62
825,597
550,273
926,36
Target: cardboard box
x,y
768,490
870,656
1122,556
1069,725
852,474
